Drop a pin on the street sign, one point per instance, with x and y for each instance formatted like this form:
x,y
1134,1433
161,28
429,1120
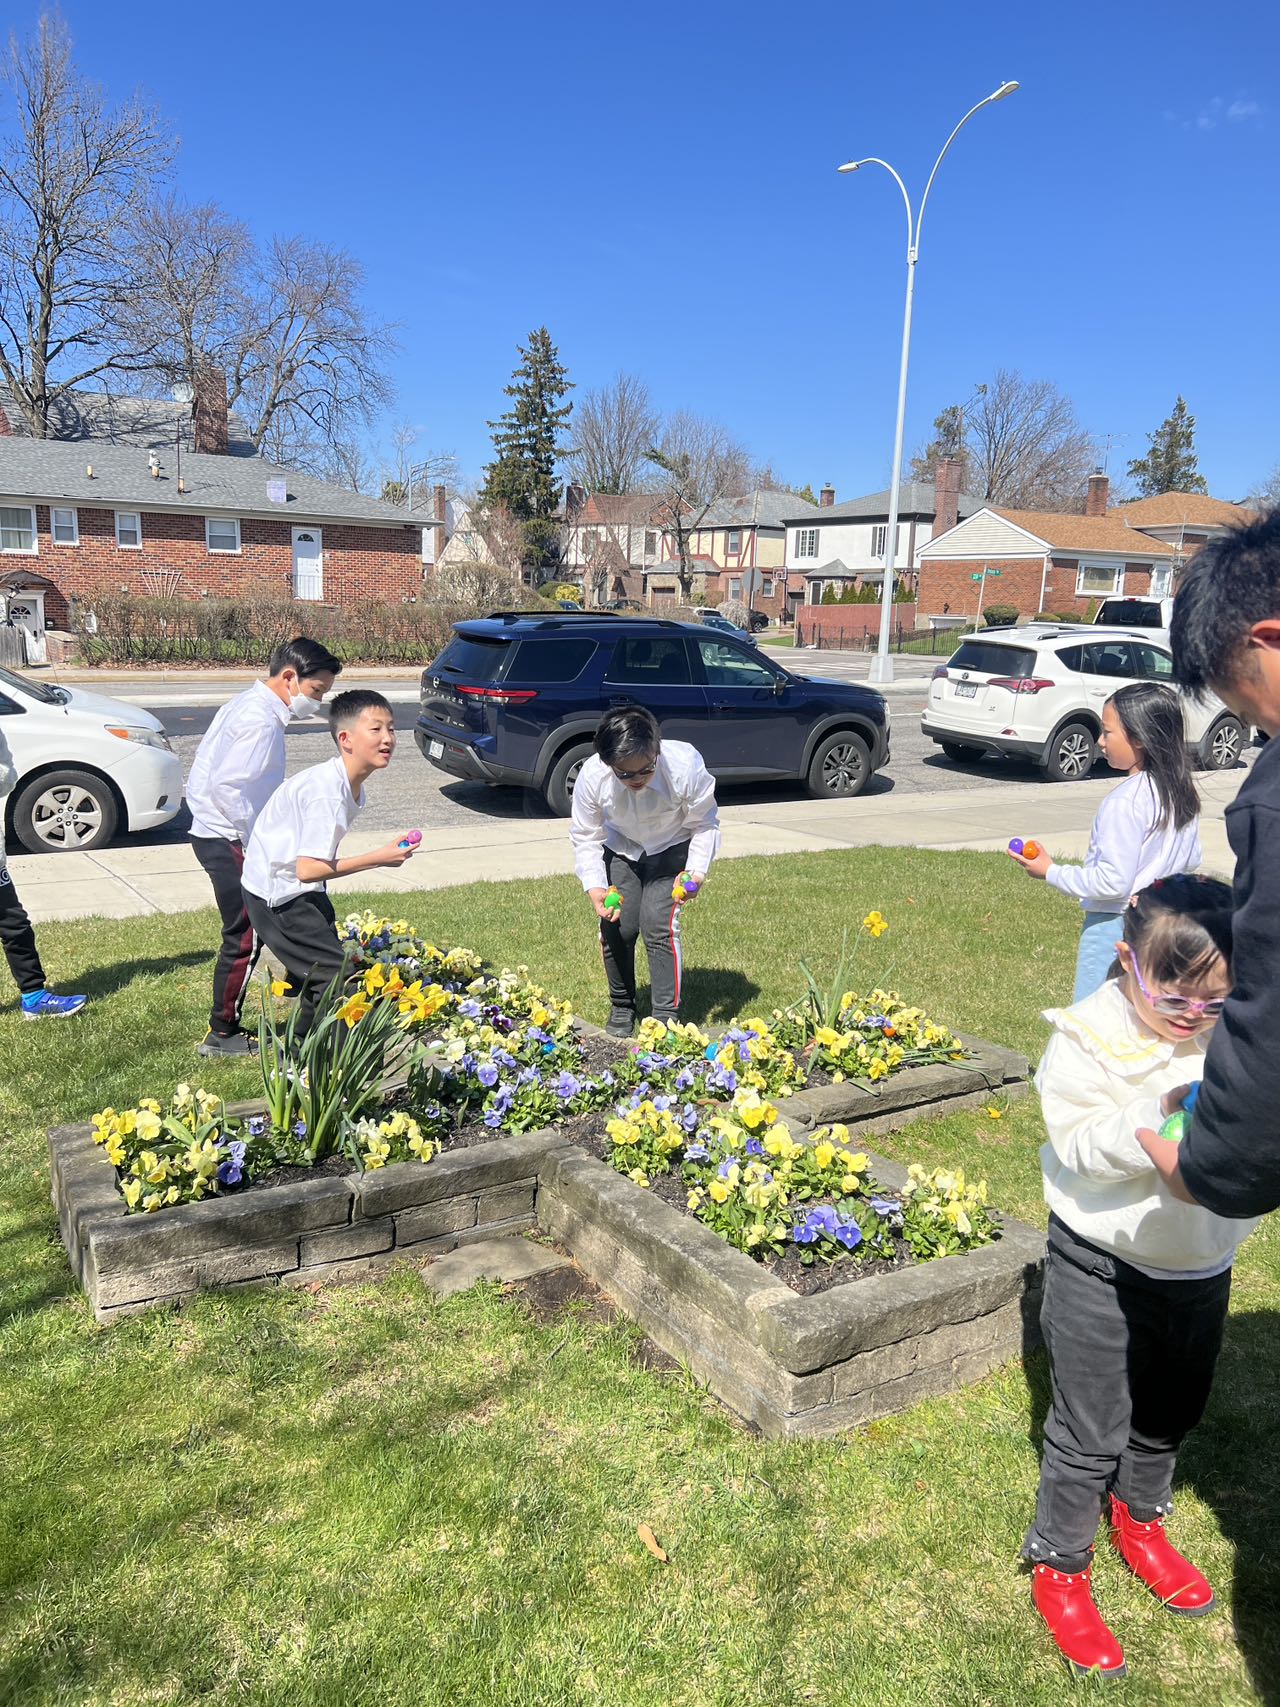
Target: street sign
x,y
975,577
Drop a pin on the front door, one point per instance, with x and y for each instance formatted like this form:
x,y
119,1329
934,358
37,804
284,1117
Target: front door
x,y
26,611
308,564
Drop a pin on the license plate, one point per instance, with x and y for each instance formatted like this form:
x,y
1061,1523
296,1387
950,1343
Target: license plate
x,y
436,749
966,690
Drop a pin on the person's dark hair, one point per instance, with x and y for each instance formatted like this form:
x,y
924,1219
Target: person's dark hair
x,y
346,707
627,732
1178,927
307,657
1229,585
1152,719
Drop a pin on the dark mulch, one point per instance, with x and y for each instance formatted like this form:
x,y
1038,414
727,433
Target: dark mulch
x,y
331,1168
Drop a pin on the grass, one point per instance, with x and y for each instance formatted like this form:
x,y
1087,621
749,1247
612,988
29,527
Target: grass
x,y
366,1496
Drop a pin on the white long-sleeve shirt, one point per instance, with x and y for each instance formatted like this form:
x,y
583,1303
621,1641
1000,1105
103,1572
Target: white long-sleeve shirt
x,y
1101,1078
238,765
679,801
1127,850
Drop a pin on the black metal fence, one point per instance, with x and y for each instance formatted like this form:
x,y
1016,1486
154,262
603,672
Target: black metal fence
x,y
924,642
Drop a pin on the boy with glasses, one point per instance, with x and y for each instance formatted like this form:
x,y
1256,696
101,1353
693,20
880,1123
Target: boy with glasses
x,y
644,810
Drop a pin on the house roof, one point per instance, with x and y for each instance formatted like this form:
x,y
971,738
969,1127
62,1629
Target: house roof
x,y
1171,509
1083,533
149,423
49,470
915,498
765,508
839,571
616,509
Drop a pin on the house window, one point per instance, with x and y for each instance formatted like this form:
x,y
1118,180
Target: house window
x,y
128,530
65,527
806,542
1094,579
222,533
18,529
1160,579
734,545
879,533
735,587
766,587
651,542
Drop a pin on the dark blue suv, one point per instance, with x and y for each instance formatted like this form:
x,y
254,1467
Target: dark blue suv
x,y
515,698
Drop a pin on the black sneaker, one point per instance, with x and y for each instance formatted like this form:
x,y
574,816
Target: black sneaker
x,y
622,1022
235,1043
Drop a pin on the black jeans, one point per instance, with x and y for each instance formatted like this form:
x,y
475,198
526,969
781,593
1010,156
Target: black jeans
x,y
1133,1360
648,911
301,933
18,937
239,950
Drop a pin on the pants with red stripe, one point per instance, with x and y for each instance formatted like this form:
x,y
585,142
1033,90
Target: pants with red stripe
x,y
649,912
240,948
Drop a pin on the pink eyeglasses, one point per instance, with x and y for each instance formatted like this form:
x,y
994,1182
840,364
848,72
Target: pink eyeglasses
x,y
1173,1007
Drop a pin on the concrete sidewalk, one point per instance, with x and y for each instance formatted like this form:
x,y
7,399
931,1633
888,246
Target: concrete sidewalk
x,y
130,880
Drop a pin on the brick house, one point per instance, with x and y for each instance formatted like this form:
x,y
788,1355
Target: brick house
x,y
145,497
610,539
740,547
1183,520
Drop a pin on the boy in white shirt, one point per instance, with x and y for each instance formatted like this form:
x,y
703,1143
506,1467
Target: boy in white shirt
x,y
293,850
238,767
644,810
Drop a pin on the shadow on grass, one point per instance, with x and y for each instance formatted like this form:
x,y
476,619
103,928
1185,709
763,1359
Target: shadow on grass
x,y
708,994
106,980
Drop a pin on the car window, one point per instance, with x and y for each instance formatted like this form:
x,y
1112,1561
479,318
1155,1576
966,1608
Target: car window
x,y
725,665
1140,613
1107,658
559,660
479,660
32,689
991,659
10,707
658,663
1151,664
1071,657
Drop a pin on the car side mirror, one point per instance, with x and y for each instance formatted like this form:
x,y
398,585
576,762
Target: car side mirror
x,y
779,686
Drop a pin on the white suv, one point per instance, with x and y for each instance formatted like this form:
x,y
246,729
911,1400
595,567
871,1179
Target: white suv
x,y
1037,692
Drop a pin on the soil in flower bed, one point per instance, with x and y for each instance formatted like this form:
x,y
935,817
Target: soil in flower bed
x,y
332,1167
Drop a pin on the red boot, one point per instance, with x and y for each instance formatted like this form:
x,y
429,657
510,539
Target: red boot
x,y
1147,1551
1064,1599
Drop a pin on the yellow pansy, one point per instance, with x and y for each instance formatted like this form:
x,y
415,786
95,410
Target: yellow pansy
x,y
719,1191
877,1069
376,1153
875,923
824,1154
132,1192
638,1176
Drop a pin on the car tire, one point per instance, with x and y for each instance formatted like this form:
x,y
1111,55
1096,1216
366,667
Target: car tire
x,y
1222,745
959,754
1072,754
65,811
840,767
558,788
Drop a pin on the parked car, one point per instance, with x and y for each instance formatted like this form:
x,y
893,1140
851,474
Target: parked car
x,y
515,698
757,620
1037,692
1134,613
722,625
87,766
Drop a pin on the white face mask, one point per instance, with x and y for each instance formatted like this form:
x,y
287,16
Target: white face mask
x,y
302,705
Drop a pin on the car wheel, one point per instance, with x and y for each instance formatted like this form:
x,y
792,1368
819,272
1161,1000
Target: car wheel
x,y
959,754
558,788
1072,753
840,767
1221,748
65,812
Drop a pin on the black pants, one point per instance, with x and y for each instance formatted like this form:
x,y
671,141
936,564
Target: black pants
x,y
302,934
239,950
649,912
18,937
1133,1360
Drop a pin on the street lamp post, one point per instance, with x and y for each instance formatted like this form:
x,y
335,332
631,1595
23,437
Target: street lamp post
x,y
882,663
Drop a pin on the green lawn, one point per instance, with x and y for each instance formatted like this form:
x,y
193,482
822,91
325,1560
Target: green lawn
x,y
366,1496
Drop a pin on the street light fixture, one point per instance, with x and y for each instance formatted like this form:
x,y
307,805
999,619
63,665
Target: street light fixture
x,y
882,663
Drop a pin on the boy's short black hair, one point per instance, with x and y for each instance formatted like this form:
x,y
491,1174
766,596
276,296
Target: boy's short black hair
x,y
307,657
346,707
1228,586
627,732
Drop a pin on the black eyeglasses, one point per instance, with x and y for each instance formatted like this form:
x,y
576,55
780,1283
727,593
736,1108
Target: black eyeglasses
x,y
634,776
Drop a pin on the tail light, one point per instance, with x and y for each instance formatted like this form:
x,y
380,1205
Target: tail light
x,y
500,696
940,673
1020,684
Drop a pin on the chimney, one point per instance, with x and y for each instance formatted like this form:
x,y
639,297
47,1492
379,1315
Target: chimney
x,y
827,497
209,412
946,494
1097,493
5,429
574,497
439,526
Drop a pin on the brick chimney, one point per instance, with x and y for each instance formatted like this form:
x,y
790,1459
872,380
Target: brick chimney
x,y
5,429
827,497
946,494
439,527
575,497
1097,494
209,412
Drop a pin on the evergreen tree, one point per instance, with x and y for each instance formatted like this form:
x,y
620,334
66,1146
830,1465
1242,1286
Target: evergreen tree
x,y
526,440
805,492
1170,463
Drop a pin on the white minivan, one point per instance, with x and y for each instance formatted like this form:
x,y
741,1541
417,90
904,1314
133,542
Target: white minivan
x,y
87,766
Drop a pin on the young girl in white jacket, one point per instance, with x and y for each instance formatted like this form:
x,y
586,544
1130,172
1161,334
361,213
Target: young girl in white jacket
x,y
1136,1281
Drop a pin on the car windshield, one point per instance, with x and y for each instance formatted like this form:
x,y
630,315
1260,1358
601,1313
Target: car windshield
x,y
990,658
33,690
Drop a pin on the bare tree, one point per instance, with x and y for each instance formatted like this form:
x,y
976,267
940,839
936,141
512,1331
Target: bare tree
x,y
698,463
1267,494
196,307
1024,446
612,430
414,475
74,173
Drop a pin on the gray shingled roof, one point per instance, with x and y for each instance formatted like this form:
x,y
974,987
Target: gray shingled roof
x,y
151,423
50,471
915,498
766,508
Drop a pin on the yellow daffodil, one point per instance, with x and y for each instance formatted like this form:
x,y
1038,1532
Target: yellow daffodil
x,y
280,987
354,1009
875,924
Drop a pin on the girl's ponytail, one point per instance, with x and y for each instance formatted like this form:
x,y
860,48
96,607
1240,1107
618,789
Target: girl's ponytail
x,y
1152,719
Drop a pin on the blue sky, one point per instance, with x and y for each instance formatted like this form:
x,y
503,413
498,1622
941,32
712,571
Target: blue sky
x,y
658,186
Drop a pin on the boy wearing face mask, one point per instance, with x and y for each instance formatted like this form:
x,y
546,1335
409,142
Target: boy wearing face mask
x,y
238,767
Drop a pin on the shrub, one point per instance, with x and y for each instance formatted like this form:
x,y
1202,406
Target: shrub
x,y
997,616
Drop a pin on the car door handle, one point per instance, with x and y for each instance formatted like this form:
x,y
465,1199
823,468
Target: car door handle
x,y
621,699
